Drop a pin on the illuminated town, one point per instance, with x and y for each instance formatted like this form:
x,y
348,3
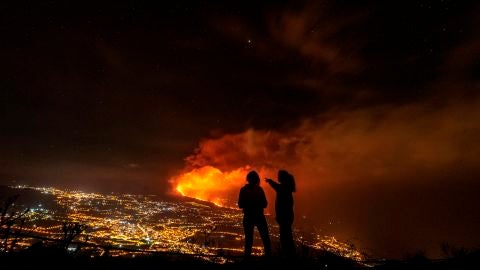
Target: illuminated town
x,y
146,223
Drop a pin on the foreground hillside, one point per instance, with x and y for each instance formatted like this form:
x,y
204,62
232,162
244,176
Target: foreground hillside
x,y
48,258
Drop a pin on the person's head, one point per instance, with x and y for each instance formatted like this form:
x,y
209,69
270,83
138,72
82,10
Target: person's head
x,y
287,179
253,178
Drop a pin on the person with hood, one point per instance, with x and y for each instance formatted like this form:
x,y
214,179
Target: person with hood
x,y
253,202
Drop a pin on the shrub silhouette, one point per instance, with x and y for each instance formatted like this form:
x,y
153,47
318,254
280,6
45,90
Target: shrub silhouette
x,y
11,224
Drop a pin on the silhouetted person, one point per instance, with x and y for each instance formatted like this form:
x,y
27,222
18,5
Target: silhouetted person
x,y
284,209
252,200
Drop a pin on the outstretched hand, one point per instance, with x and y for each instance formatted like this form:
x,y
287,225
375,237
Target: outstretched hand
x,y
268,180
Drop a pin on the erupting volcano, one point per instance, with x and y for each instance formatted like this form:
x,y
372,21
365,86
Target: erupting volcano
x,y
209,183
217,170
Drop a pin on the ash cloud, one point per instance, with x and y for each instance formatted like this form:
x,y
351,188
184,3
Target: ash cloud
x,y
389,158
393,179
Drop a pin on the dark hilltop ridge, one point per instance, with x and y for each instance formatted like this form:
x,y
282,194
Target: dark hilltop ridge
x,y
54,258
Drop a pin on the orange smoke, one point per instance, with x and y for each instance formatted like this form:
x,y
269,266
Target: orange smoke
x,y
209,183
340,153
218,168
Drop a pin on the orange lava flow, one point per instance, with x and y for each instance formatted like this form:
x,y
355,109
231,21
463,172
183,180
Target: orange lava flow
x,y
211,184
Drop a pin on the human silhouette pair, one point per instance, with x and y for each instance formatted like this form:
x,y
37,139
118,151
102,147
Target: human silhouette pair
x,y
253,202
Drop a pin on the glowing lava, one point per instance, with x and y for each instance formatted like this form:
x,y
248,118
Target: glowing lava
x,y
211,184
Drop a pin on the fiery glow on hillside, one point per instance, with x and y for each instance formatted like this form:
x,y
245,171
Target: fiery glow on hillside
x,y
209,183
217,170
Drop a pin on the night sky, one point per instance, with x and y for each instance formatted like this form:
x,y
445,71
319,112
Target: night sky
x,y
373,105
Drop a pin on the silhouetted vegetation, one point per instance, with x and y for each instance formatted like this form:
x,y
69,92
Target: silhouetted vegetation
x,y
11,223
70,231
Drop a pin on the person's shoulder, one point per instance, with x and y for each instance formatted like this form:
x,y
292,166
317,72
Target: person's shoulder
x,y
258,188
